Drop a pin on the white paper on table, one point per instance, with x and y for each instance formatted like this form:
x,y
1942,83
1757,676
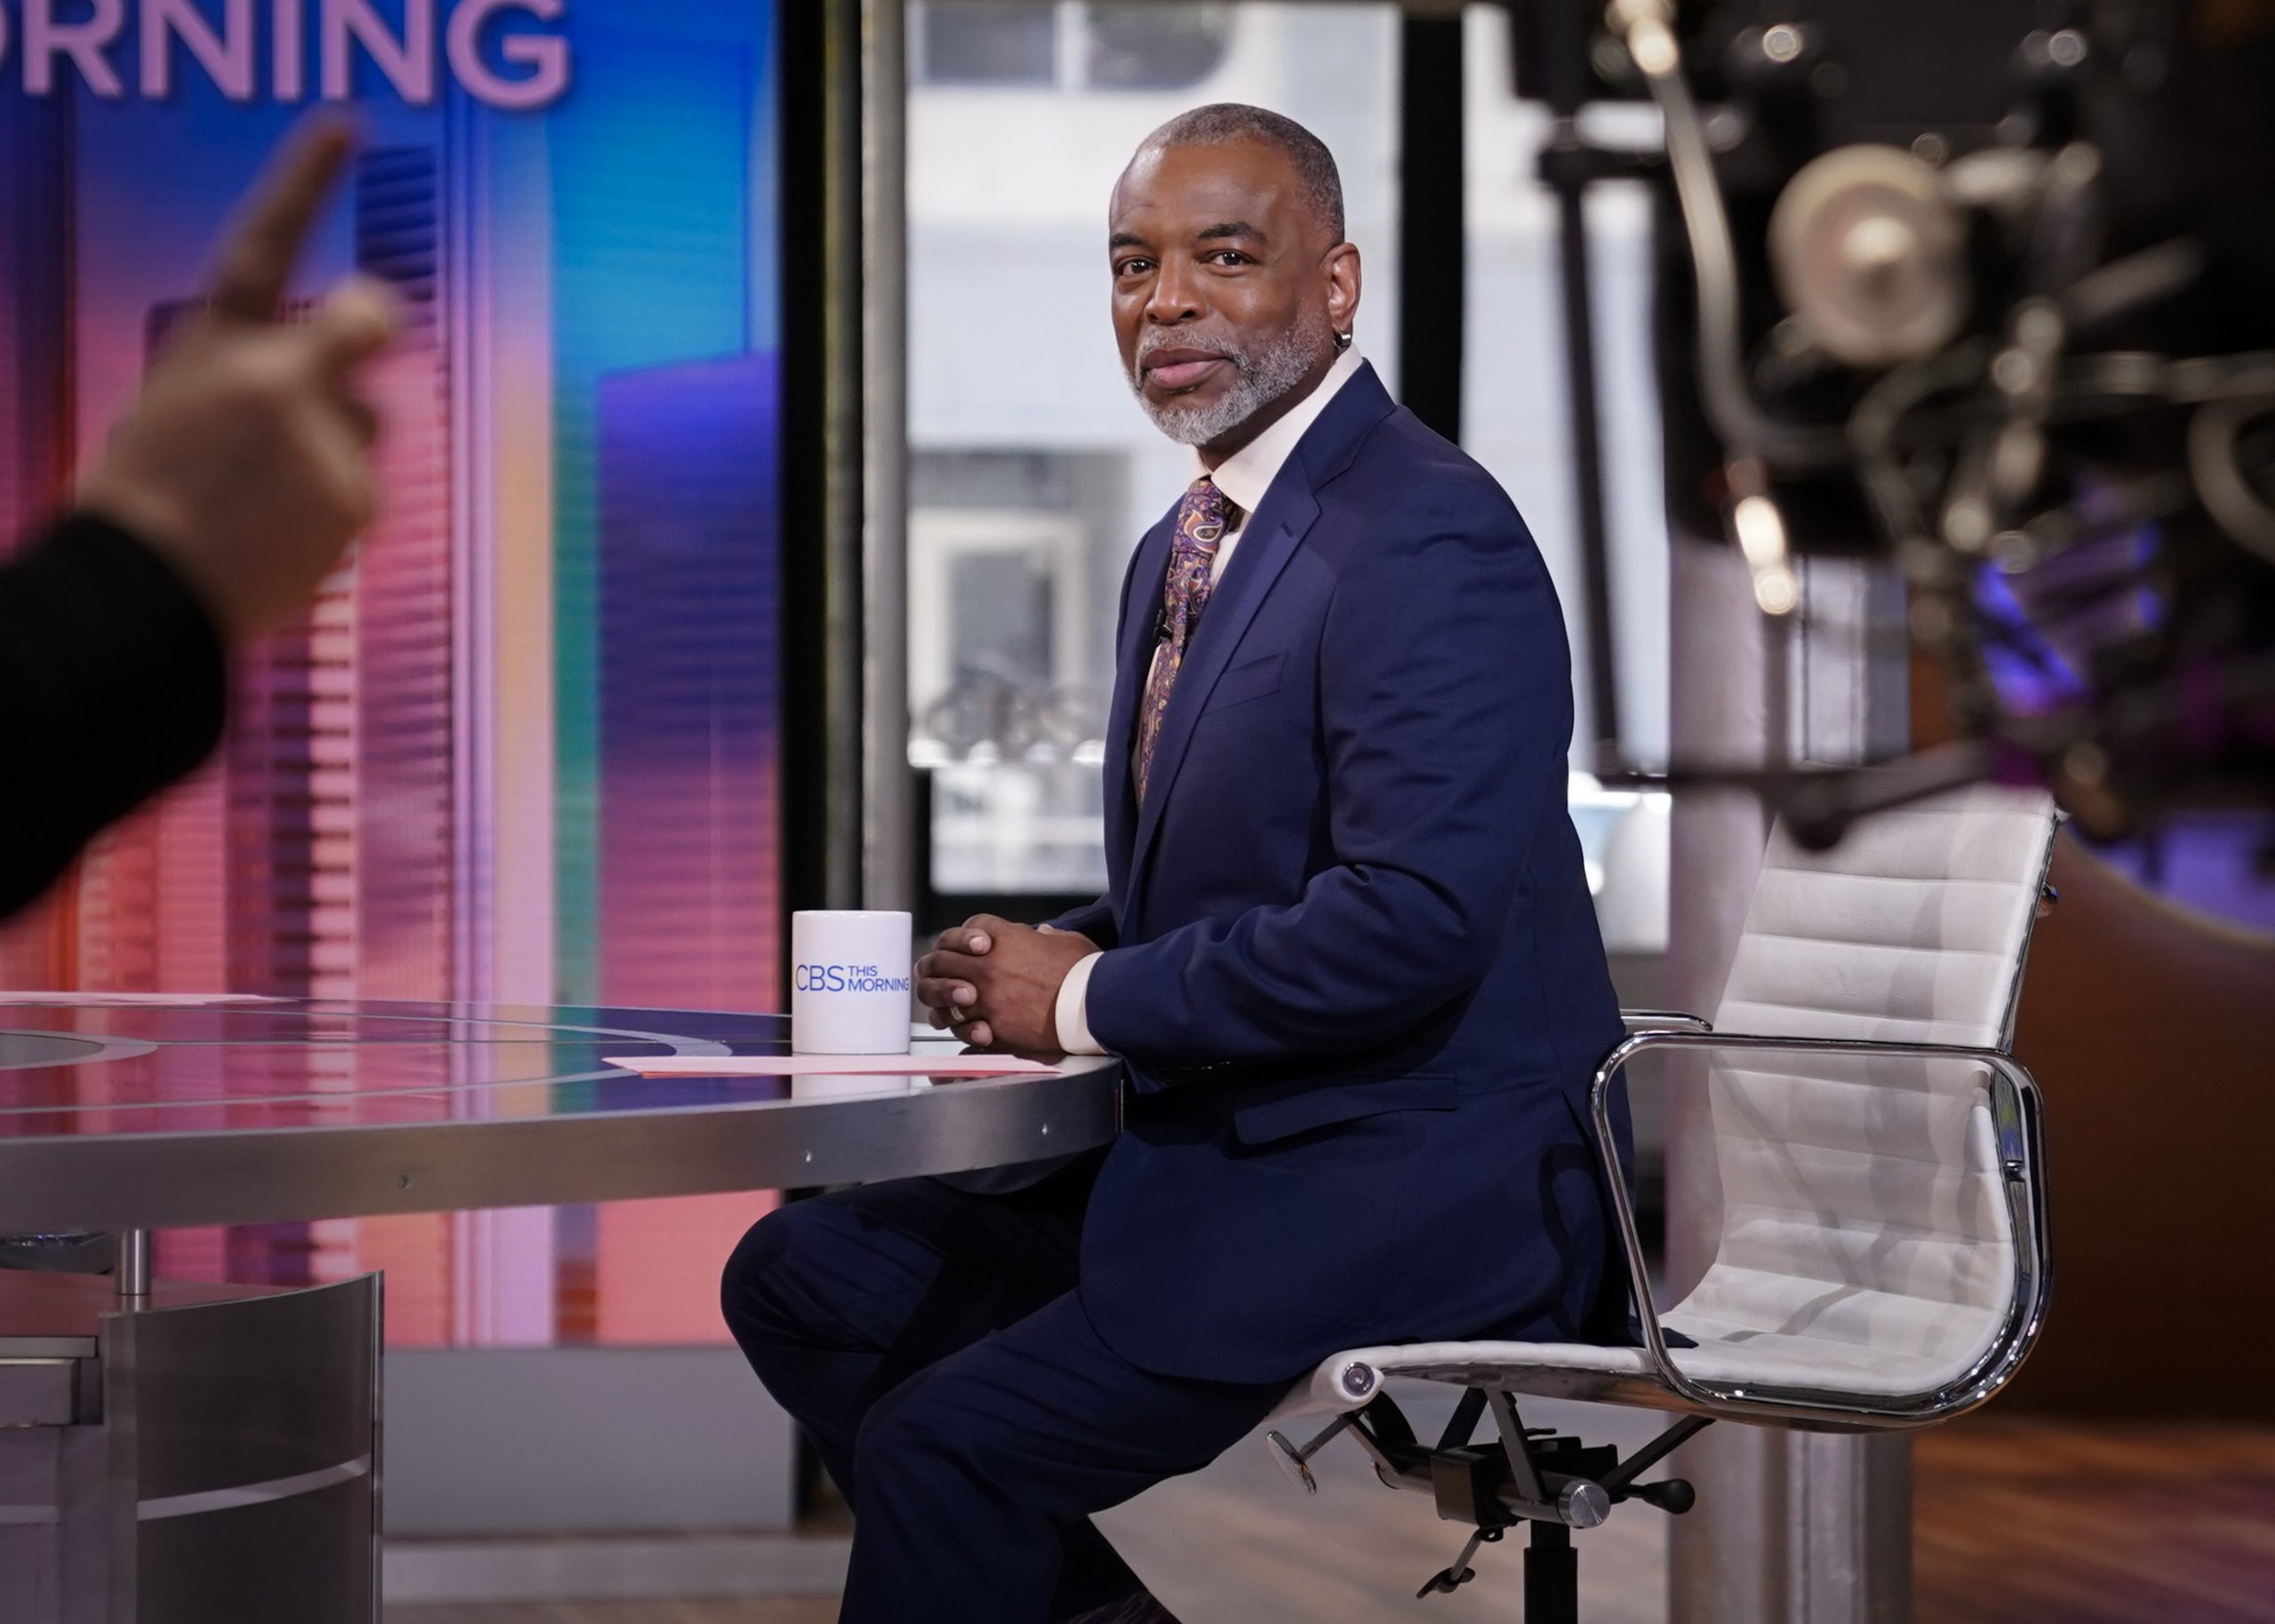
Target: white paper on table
x,y
830,1065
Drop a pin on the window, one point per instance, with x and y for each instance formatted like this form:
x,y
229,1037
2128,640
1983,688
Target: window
x,y
987,43
1155,47
1007,703
1032,472
1516,422
1037,45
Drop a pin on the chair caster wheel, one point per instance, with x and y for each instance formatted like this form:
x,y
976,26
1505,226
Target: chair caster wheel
x,y
1292,1465
1446,1583
1446,1580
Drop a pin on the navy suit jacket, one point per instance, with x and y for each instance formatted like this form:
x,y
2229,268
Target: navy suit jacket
x,y
1353,965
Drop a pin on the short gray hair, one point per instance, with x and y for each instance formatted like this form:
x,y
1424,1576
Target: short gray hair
x,y
1223,122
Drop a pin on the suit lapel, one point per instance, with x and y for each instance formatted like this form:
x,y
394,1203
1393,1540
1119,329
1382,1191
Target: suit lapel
x,y
1132,656
1267,541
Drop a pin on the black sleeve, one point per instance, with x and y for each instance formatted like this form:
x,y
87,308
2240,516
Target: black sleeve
x,y
113,684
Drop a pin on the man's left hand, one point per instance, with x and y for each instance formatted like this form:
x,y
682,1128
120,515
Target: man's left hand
x,y
996,983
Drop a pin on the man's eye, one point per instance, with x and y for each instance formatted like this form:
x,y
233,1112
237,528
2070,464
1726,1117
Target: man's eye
x,y
1230,256
1133,267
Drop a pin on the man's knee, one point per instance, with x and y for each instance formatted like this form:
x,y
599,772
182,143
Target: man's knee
x,y
752,1286
914,1428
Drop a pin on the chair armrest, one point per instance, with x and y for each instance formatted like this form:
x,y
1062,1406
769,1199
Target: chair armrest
x,y
1664,1021
2024,1160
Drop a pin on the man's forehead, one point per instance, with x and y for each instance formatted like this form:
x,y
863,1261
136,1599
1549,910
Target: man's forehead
x,y
1183,190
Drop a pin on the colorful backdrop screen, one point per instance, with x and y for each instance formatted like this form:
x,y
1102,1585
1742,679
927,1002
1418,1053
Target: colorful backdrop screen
x,y
524,748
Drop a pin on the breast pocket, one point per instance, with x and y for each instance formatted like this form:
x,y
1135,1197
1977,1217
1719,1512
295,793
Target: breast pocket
x,y
1251,680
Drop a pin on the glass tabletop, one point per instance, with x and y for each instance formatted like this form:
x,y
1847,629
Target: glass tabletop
x,y
105,1065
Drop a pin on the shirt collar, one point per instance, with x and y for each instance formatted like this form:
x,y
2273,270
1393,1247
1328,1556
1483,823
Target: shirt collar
x,y
1247,472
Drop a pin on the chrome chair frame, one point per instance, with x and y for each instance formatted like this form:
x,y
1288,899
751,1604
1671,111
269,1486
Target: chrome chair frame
x,y
1555,1483
1520,1481
2018,1116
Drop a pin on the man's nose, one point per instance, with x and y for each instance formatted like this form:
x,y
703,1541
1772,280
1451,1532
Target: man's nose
x,y
1175,297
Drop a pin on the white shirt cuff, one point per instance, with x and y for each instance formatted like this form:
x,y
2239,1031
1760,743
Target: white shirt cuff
x,y
1074,1012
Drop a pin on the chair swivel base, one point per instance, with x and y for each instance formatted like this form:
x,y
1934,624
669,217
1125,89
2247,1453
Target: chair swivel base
x,y
1554,1482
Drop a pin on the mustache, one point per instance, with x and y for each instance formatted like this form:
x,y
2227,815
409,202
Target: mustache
x,y
1160,339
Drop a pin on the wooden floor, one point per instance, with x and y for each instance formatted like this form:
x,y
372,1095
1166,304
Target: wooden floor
x,y
2018,1522
2024,1521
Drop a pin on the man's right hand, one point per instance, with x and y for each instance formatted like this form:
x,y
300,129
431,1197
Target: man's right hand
x,y
997,983
945,999
246,463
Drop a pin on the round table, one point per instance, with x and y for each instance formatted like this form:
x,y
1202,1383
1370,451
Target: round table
x,y
131,1114
237,1430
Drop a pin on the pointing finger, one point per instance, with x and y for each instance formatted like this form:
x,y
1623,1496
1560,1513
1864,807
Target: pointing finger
x,y
362,422
257,256
357,321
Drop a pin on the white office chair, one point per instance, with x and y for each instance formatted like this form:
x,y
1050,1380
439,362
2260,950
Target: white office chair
x,y
1881,1256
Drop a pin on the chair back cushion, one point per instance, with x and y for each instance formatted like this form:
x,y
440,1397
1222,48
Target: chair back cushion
x,y
1864,1215
1912,929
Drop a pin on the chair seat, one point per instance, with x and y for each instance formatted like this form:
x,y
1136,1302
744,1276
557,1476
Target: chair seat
x,y
1728,1356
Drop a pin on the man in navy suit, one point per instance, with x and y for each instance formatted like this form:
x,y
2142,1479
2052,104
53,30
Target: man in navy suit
x,y
1347,955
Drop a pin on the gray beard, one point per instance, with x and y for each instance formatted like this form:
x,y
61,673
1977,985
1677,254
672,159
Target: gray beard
x,y
1264,377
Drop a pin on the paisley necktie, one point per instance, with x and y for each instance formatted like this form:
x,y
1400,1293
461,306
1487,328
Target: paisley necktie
x,y
1200,520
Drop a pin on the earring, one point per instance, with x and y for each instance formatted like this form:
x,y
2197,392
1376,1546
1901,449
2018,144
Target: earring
x,y
1343,341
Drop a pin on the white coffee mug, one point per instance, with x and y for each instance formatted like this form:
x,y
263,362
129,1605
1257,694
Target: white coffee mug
x,y
850,982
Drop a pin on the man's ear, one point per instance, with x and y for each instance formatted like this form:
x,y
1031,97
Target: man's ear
x,y
1341,267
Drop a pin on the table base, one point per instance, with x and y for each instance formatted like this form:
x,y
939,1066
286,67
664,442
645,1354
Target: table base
x,y
212,1455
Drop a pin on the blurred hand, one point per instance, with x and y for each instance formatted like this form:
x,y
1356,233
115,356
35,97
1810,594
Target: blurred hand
x,y
246,463
996,983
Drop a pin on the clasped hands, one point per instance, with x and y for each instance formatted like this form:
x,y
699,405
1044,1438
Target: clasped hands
x,y
996,984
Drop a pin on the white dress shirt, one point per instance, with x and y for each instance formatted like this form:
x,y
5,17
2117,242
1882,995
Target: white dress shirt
x,y
1244,477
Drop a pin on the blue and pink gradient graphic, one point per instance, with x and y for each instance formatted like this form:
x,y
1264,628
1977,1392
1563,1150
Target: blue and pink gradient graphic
x,y
526,745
